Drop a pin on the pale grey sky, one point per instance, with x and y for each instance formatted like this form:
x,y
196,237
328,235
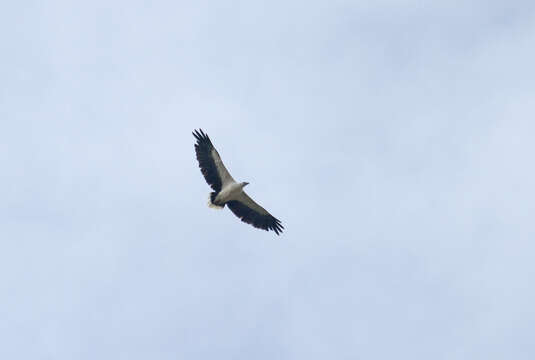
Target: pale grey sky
x,y
394,139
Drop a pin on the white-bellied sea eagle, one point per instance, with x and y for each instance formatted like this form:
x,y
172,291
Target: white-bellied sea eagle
x,y
227,191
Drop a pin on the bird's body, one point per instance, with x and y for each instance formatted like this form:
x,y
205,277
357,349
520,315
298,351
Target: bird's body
x,y
227,191
230,192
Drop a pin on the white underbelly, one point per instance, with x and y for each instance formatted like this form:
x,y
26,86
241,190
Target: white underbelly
x,y
228,193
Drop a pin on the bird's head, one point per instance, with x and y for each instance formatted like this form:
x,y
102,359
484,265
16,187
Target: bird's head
x,y
244,184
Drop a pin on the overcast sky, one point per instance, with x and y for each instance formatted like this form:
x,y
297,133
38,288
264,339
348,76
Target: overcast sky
x,y
393,139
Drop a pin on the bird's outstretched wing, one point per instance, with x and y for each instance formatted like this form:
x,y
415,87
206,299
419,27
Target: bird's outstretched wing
x,y
210,163
250,212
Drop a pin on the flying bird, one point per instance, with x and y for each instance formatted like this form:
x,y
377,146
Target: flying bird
x,y
227,191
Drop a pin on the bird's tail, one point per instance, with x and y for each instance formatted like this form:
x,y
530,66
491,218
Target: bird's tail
x,y
211,201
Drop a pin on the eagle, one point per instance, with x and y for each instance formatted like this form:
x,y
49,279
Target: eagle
x,y
227,191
